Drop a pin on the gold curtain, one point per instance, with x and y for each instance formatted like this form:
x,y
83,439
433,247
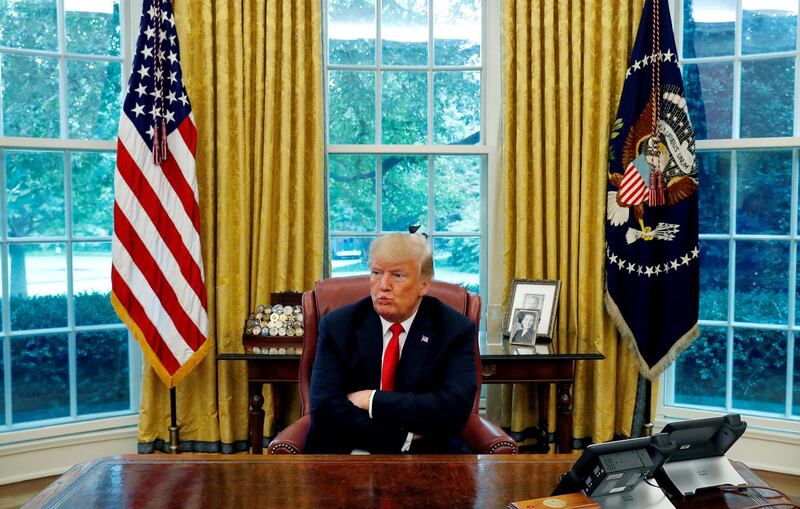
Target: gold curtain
x,y
563,69
253,70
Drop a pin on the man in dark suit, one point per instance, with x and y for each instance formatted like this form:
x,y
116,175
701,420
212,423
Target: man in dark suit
x,y
393,372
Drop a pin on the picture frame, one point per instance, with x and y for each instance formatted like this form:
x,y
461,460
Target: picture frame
x,y
524,325
541,294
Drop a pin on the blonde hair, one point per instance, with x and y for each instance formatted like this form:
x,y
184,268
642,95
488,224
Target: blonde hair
x,y
401,247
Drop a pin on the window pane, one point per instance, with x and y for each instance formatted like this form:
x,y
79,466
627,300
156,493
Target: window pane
x,y
35,193
29,24
457,260
457,107
761,282
92,193
39,377
714,169
759,370
93,91
457,193
351,106
457,32
768,29
91,273
405,192
700,370
404,32
767,98
30,110
352,192
763,191
349,255
101,361
709,29
714,279
92,27
709,94
38,275
404,99
351,32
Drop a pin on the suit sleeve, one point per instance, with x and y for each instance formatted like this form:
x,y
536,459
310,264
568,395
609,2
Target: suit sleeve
x,y
445,409
335,420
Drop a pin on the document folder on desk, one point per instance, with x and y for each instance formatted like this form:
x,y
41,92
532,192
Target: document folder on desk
x,y
569,501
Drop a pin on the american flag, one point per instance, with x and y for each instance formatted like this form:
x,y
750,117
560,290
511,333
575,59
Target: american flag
x,y
157,271
633,189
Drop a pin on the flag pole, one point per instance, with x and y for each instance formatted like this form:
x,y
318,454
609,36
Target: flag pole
x,y
174,431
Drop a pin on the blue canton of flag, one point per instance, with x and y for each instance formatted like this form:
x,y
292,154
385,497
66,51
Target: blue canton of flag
x,y
155,91
652,264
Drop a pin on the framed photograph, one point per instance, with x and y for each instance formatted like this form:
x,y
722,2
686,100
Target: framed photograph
x,y
523,329
533,294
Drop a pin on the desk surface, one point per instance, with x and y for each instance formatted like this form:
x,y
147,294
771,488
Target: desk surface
x,y
200,481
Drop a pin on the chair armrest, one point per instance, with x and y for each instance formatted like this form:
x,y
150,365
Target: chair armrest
x,y
484,437
292,438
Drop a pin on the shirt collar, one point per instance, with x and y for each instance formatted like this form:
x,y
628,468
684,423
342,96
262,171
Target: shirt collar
x,y
385,324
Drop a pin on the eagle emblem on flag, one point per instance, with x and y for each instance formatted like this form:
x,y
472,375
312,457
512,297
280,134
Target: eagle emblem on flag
x,y
652,250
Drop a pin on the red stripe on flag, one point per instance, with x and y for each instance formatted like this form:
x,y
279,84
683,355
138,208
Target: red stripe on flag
x,y
182,188
143,259
189,134
632,189
139,316
166,228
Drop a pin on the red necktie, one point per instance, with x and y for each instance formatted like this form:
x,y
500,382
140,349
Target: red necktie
x,y
390,358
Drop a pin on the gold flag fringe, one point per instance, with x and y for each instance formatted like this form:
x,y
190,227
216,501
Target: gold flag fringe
x,y
651,373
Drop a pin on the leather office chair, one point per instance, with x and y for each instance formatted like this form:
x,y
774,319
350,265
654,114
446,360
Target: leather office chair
x,y
479,434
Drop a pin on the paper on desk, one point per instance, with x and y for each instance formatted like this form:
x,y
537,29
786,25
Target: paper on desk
x,y
642,496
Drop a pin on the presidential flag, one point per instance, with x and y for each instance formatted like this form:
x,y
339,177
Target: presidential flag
x,y
652,264
157,270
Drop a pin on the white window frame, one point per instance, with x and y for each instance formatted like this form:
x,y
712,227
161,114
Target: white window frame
x,y
52,446
770,442
487,147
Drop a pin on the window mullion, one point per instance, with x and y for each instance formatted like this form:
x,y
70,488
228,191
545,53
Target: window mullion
x,y
378,193
737,72
790,339
62,69
431,61
378,74
731,284
6,307
431,212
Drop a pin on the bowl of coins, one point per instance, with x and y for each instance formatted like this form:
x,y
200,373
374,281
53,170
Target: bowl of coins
x,y
274,329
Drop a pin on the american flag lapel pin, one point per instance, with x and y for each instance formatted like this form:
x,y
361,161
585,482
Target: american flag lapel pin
x,y
424,339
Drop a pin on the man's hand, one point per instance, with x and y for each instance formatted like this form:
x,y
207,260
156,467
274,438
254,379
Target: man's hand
x,y
360,399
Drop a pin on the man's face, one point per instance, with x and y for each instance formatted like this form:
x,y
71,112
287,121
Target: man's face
x,y
396,288
527,322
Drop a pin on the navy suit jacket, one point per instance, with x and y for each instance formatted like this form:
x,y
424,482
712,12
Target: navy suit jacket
x,y
435,380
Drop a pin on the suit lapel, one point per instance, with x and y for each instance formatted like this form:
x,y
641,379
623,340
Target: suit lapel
x,y
415,350
370,347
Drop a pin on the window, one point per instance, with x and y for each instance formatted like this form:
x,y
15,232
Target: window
x,y
739,69
64,355
405,130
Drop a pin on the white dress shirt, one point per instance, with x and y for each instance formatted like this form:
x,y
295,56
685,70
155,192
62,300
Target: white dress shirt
x,y
387,336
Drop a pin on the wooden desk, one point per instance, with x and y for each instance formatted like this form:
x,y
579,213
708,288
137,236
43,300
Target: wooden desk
x,y
501,363
397,482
